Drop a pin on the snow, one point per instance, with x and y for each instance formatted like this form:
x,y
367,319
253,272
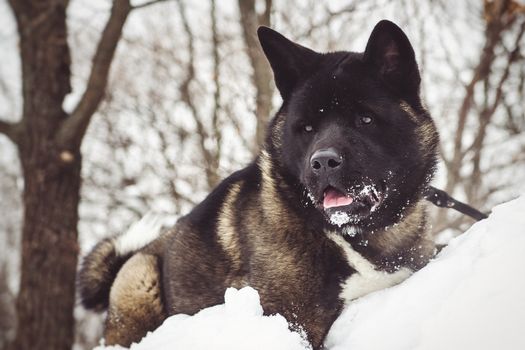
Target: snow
x,y
238,324
339,218
471,296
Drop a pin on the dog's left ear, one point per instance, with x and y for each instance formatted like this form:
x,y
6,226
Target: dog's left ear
x,y
390,54
290,62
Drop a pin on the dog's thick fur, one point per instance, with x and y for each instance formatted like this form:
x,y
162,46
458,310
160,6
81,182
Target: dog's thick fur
x,y
351,127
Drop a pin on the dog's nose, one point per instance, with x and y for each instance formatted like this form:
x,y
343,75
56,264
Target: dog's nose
x,y
325,160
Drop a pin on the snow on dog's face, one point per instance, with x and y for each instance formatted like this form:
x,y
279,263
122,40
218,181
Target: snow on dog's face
x,y
357,138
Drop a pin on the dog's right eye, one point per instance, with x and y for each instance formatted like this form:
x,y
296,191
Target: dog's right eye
x,y
308,128
366,120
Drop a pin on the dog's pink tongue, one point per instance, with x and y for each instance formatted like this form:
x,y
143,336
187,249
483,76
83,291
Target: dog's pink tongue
x,y
334,198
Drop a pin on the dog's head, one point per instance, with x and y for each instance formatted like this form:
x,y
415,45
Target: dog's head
x,y
352,132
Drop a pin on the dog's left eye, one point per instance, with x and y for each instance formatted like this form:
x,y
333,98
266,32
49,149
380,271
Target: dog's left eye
x,y
308,128
366,120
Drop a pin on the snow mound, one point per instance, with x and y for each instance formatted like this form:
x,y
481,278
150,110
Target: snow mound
x,y
472,296
238,324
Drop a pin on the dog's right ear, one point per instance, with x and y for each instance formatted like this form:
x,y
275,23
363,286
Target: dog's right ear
x,y
390,53
289,61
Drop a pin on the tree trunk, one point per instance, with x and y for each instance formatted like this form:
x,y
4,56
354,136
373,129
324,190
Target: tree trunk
x,y
262,74
49,249
51,182
48,141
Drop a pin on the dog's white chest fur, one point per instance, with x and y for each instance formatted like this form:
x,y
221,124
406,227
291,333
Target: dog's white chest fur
x,y
366,279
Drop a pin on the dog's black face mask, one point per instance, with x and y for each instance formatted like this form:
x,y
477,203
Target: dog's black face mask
x,y
352,125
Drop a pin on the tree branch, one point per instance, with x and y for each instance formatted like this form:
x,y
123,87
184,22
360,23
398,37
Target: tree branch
x,y
485,119
11,130
325,22
493,36
261,74
73,128
147,3
186,96
217,135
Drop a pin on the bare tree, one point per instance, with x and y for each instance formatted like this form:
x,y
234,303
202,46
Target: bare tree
x,y
484,96
262,75
48,141
185,122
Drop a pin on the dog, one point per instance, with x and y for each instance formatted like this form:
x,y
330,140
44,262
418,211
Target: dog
x,y
330,210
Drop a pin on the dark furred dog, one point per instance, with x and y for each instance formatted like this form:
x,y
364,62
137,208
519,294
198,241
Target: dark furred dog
x,y
330,210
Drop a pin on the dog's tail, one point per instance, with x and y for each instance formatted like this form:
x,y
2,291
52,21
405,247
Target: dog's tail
x,y
101,265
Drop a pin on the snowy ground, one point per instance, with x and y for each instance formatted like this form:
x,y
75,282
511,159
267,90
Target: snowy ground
x,y
472,296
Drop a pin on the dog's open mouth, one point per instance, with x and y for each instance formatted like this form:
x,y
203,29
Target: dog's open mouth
x,y
350,206
333,198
